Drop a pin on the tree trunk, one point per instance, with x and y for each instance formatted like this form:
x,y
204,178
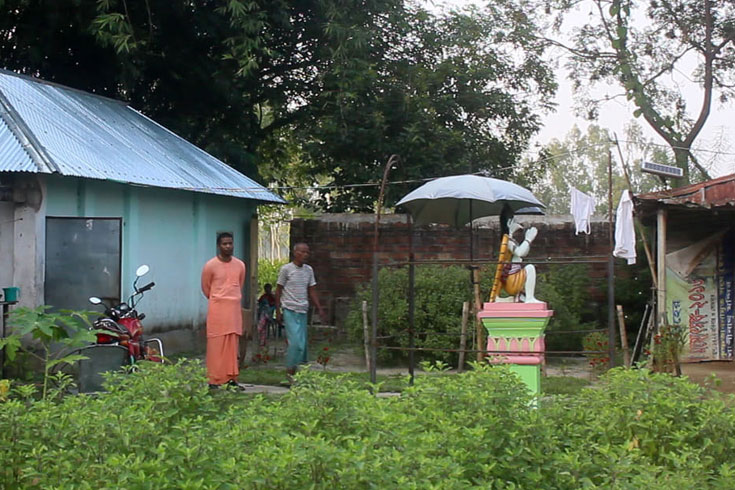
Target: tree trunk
x,y
682,161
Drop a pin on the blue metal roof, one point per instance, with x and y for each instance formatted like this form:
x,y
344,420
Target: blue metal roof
x,y
48,128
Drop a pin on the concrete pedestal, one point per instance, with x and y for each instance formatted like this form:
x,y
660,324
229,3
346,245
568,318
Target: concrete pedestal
x,y
515,336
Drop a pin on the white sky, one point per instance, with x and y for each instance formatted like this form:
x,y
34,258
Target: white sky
x,y
718,133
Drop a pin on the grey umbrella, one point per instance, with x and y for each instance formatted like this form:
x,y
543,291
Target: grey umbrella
x,y
459,199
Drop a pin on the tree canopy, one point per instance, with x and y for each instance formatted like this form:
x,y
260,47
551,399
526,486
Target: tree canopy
x,y
453,94
581,160
644,48
302,91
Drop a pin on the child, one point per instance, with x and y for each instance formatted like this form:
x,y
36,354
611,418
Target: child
x,y
266,307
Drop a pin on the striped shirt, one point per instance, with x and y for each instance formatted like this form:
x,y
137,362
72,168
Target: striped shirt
x,y
295,281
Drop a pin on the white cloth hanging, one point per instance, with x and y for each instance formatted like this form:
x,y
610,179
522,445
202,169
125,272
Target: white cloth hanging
x,y
624,229
583,205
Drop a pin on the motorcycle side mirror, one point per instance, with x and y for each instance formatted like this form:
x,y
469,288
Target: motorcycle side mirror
x,y
95,300
142,270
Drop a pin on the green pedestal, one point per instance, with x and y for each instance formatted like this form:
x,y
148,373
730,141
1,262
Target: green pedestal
x,y
530,375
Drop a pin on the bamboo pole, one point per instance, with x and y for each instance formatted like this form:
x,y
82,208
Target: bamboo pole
x,y
463,336
623,336
639,226
661,267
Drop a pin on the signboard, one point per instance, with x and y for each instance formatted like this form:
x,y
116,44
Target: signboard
x,y
702,300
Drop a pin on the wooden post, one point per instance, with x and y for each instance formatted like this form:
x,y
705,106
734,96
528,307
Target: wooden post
x,y
463,336
478,307
366,334
661,267
623,336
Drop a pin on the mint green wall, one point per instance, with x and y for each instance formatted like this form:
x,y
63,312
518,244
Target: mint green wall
x,y
174,232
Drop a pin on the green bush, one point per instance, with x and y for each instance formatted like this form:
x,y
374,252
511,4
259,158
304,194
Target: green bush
x,y
439,293
162,428
268,272
566,289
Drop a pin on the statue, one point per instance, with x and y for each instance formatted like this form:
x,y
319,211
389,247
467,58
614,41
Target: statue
x,y
517,281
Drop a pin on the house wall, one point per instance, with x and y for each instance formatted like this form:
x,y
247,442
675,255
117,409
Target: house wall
x,y
7,231
172,231
21,256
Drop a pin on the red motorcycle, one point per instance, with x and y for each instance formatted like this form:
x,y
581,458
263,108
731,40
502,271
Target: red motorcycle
x,y
122,325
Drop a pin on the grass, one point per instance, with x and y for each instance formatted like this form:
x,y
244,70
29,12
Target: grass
x,y
563,385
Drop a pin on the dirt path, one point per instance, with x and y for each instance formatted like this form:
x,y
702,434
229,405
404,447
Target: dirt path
x,y
351,358
702,372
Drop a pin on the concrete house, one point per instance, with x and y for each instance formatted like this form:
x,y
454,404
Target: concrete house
x,y
90,189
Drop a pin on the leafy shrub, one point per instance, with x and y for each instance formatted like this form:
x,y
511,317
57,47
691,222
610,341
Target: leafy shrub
x,y
567,291
668,344
162,428
597,341
439,293
56,334
268,272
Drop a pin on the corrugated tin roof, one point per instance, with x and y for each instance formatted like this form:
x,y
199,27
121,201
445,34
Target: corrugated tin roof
x,y
713,193
12,154
78,134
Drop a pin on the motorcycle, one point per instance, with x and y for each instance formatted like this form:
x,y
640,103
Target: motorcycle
x,y
122,325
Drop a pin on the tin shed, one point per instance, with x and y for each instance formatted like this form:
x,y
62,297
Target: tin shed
x,y
695,230
90,189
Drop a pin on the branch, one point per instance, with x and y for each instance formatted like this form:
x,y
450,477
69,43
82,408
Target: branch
x,y
577,52
666,68
699,166
708,78
722,84
719,47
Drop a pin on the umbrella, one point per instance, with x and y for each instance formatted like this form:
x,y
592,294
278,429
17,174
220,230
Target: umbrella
x,y
459,199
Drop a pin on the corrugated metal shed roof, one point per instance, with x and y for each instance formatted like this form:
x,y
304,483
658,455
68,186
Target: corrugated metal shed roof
x,y
713,193
12,153
48,128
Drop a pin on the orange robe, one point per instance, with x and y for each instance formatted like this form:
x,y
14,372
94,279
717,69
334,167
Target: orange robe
x,y
222,284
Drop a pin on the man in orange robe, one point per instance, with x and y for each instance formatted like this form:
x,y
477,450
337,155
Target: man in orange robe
x,y
222,280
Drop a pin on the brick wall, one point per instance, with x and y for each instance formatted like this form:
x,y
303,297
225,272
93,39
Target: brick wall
x,y
342,247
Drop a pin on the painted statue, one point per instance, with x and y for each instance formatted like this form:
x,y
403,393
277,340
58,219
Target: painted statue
x,y
518,281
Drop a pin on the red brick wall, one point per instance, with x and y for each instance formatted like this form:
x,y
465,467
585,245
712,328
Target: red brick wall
x,y
342,246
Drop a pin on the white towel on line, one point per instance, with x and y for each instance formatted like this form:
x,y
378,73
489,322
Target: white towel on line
x,y
583,205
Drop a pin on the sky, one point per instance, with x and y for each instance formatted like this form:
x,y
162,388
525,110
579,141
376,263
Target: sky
x,y
718,132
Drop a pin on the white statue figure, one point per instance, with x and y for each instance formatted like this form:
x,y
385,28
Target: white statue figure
x,y
512,277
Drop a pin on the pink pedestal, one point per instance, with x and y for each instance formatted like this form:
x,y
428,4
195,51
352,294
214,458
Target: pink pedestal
x,y
515,331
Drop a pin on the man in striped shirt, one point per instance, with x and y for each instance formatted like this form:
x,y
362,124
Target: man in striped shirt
x,y
295,287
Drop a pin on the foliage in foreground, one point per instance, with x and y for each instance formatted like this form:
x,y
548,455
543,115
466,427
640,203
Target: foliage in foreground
x,y
162,428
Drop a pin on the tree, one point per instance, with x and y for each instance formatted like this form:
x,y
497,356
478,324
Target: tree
x,y
304,91
224,75
641,48
448,94
580,160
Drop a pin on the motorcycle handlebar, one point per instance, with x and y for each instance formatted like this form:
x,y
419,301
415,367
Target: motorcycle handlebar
x,y
146,287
